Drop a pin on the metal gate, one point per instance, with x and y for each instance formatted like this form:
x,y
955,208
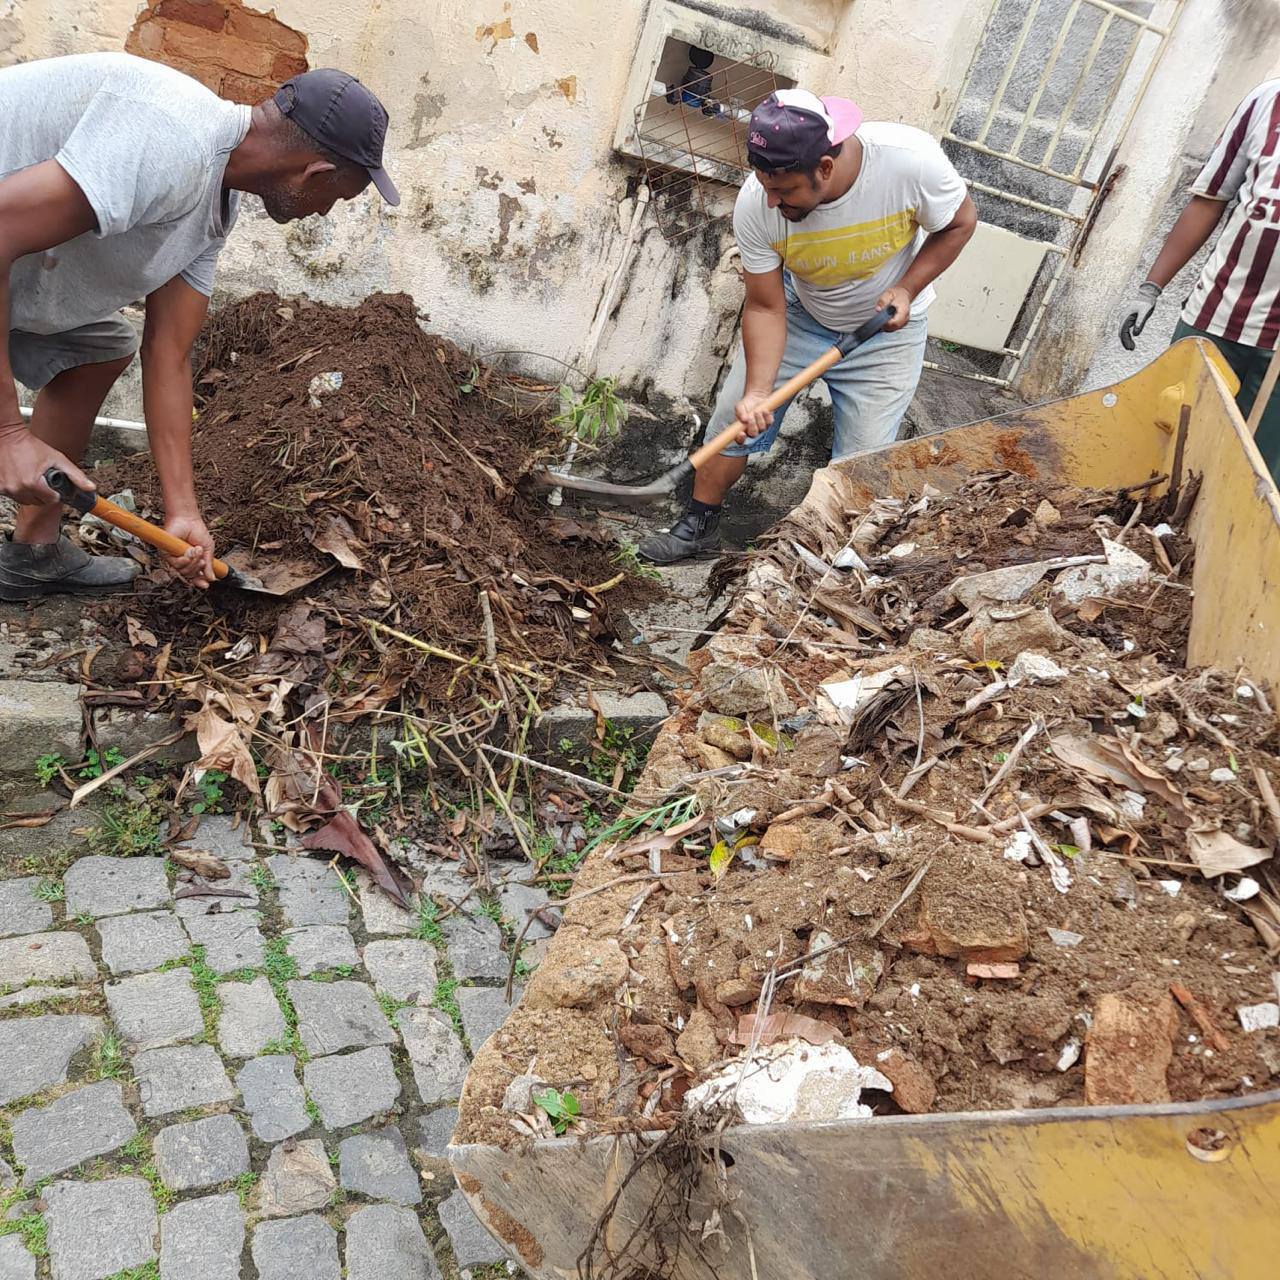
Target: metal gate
x,y
1048,98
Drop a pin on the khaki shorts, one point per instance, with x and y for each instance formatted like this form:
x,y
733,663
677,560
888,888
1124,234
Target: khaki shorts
x,y
38,358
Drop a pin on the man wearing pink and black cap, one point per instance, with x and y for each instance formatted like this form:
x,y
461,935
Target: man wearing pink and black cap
x,y
839,219
120,179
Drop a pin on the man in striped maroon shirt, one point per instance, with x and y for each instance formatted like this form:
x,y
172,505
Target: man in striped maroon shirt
x,y
1236,301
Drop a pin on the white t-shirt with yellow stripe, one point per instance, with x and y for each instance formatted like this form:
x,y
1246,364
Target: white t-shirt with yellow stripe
x,y
845,254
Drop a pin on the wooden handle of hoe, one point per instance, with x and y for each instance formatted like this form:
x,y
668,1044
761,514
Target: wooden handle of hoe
x,y
1264,392
87,503
832,355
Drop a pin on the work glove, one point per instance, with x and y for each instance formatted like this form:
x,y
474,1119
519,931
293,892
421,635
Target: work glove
x,y
1139,313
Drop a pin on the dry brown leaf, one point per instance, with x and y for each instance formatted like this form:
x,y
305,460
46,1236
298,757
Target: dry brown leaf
x,y
341,835
1113,761
660,841
43,818
1218,854
222,746
139,636
783,1026
602,724
334,536
207,865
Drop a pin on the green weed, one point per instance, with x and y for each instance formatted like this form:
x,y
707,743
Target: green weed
x,y
428,927
210,792
563,1109
129,829
148,1271
51,891
598,411
205,981
445,999
261,878
159,1192
48,767
243,1186
391,1006
627,558
34,1232
108,1058
96,764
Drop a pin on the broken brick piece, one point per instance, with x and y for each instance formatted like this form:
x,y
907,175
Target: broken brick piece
x,y
1129,1047
913,1087
993,970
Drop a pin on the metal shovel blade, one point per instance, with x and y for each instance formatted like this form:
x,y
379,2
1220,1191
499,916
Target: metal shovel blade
x,y
638,494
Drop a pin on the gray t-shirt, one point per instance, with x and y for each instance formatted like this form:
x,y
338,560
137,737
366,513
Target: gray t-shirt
x,y
148,147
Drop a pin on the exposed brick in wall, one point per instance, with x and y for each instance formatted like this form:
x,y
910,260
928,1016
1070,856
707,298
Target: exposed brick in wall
x,y
239,53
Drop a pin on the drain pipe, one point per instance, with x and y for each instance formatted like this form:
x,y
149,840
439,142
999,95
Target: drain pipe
x,y
556,496
121,424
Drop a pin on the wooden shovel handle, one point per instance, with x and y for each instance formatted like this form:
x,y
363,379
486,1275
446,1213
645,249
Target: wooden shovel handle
x,y
1264,392
106,510
832,355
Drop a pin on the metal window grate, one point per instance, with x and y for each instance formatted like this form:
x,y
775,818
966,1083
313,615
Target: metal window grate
x,y
691,134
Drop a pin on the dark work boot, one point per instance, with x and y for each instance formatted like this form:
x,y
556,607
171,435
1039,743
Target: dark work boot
x,y
691,536
32,569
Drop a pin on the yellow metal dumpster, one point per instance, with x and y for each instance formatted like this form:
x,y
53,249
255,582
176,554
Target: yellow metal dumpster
x,y
1116,1193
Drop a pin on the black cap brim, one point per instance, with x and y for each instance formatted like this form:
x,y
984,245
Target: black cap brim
x,y
386,188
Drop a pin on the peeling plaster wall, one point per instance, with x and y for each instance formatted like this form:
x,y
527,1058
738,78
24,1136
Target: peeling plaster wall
x,y
516,205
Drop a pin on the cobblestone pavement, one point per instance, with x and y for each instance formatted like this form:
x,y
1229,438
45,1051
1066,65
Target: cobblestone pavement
x,y
200,1087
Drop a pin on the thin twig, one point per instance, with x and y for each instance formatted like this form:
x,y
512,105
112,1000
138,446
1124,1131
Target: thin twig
x,y
490,642
912,885
1272,805
1010,760
908,784
88,788
590,783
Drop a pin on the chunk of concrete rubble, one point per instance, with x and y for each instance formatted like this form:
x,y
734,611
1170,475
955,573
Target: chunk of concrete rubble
x,y
971,909
998,586
697,1045
725,733
593,972
1259,1017
1124,568
1128,1048
1035,668
784,841
739,680
846,976
791,1081
997,634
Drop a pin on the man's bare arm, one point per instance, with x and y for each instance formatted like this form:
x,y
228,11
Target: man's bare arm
x,y
175,315
937,253
764,340
40,207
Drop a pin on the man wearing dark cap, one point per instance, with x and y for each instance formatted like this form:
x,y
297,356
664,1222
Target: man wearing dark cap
x,y
120,179
838,220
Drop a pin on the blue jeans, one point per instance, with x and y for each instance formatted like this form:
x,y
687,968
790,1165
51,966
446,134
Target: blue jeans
x,y
870,388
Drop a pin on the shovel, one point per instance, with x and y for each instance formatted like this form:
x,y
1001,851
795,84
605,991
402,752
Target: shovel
x,y
667,483
284,579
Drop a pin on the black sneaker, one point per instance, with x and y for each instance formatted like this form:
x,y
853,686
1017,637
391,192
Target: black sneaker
x,y
691,536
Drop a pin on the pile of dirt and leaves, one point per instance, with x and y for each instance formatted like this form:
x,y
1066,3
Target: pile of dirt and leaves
x,y
946,823
370,474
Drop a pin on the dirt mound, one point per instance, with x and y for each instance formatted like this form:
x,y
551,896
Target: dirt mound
x,y
964,811
350,439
